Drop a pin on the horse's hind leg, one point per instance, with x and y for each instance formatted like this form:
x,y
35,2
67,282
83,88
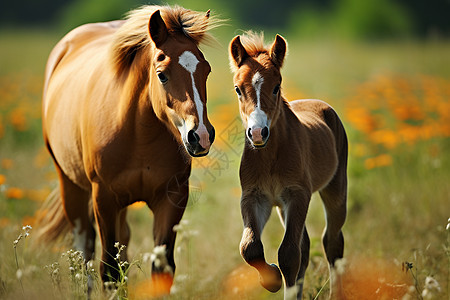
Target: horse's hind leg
x,y
334,197
256,209
76,207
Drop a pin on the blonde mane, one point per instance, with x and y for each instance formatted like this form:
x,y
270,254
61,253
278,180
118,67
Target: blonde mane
x,y
253,43
133,34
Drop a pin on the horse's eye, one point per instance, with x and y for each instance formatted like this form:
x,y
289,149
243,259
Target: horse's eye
x,y
238,91
163,78
276,89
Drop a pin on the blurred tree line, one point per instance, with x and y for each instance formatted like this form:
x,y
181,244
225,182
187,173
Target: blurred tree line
x,y
359,19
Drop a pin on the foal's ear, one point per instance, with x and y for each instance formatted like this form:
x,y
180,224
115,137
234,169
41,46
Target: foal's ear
x,y
278,51
237,52
157,29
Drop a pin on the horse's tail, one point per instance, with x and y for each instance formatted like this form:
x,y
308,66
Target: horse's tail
x,y
51,220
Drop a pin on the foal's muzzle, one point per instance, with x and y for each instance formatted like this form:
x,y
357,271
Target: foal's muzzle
x,y
198,142
258,136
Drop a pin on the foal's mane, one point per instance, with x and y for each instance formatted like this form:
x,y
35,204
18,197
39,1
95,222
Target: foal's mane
x,y
133,34
253,43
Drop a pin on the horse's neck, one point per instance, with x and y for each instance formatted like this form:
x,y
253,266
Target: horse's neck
x,y
137,114
281,128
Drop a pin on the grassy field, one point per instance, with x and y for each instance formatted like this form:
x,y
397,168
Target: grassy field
x,y
394,99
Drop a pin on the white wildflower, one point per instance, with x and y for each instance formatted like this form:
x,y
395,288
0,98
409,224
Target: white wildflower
x,y
90,265
448,224
431,288
146,257
19,274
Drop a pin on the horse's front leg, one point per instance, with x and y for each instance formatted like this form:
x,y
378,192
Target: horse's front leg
x,y
293,254
256,209
107,216
168,211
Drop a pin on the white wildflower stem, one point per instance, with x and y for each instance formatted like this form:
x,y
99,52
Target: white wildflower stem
x,y
18,268
321,289
26,233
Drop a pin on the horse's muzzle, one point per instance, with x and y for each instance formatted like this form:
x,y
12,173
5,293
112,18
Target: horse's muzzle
x,y
199,142
258,137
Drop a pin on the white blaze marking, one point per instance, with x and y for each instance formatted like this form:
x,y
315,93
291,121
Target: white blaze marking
x,y
257,82
188,61
258,117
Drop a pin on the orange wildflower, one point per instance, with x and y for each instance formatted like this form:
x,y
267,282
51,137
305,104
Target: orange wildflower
x,y
382,160
158,286
241,280
365,278
14,193
388,138
2,179
18,119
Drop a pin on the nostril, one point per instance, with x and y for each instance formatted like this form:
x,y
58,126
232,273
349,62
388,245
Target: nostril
x,y
212,135
265,132
192,137
249,133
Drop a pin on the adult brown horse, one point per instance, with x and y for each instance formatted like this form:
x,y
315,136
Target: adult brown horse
x,y
307,152
124,102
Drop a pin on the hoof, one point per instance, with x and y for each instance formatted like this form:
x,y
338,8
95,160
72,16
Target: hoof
x,y
271,279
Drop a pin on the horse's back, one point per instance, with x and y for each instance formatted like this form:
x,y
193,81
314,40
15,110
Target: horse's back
x,y
75,40
314,110
73,70
326,136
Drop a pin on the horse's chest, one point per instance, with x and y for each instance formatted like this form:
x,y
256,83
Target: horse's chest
x,y
143,177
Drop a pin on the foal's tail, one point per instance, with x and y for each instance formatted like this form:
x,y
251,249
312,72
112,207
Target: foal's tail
x,y
51,220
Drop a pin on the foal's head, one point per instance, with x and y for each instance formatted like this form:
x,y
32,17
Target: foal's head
x,y
257,83
166,39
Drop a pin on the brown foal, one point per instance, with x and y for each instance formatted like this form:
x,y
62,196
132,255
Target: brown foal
x,y
292,149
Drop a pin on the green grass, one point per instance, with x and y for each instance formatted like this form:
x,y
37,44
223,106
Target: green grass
x,y
396,213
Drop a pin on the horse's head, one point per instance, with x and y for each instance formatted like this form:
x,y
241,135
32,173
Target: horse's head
x,y
178,77
257,83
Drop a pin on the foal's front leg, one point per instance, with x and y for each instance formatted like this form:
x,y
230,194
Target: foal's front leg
x,y
293,254
256,209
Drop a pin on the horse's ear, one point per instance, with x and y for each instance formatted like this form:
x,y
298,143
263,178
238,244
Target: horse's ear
x,y
237,51
157,29
278,51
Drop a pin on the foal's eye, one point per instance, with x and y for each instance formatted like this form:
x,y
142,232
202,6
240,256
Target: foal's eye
x,y
238,91
163,78
276,89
